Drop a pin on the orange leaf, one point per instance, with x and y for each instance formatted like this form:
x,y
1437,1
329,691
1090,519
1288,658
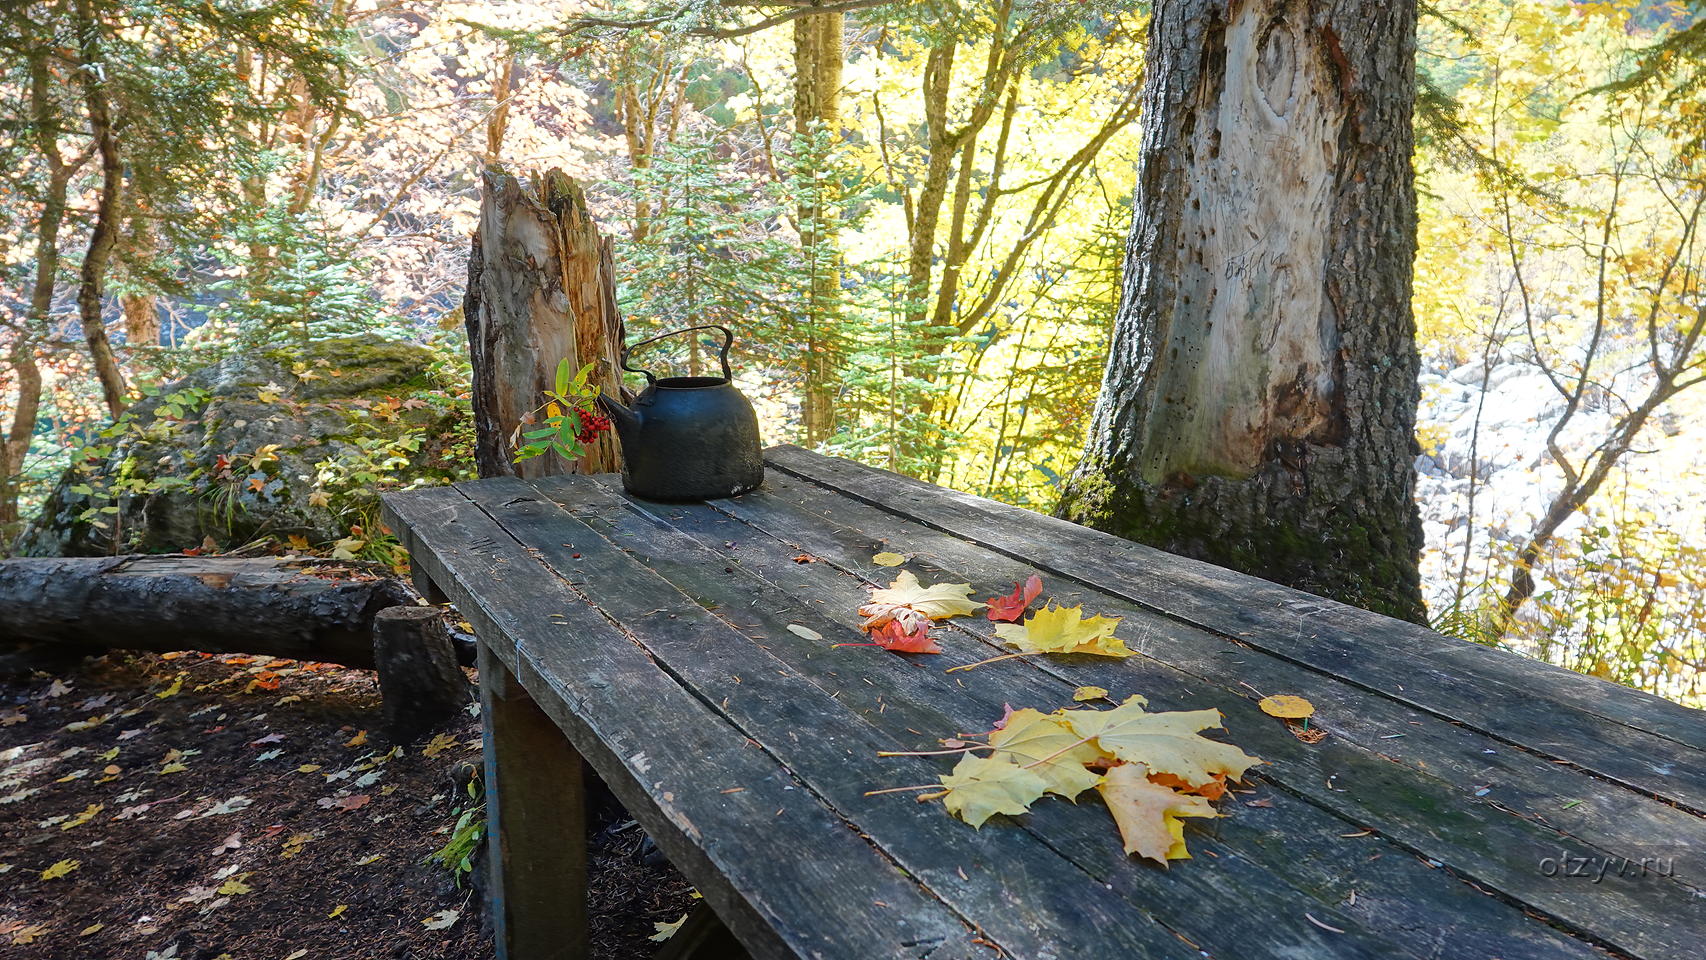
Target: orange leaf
x,y
1012,606
894,636
1212,790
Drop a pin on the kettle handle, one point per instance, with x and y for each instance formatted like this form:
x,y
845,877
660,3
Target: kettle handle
x,y
723,355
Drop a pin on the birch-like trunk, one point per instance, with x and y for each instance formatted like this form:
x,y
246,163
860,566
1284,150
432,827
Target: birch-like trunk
x,y
1258,407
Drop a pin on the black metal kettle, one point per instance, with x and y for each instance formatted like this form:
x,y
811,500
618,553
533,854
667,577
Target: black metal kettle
x,y
687,438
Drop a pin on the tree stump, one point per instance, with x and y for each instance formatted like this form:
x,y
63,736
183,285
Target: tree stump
x,y
422,684
541,289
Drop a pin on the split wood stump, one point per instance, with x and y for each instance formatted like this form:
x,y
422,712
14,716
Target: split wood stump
x,y
1464,803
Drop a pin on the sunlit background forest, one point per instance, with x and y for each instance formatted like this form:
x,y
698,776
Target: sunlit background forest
x,y
189,187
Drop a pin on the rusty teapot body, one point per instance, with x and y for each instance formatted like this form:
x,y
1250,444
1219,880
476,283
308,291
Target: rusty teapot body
x,y
687,438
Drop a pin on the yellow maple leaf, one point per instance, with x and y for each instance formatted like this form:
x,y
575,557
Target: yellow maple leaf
x,y
666,930
337,911
60,869
24,936
1083,694
173,690
981,787
235,886
442,920
358,740
1167,742
84,817
1148,813
1064,630
888,559
173,767
911,603
1286,707
294,845
1049,747
438,745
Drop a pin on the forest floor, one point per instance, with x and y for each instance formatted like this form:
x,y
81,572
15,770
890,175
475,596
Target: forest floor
x,y
196,807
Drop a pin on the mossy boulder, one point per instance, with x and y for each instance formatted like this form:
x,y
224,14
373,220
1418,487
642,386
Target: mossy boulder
x,y
293,443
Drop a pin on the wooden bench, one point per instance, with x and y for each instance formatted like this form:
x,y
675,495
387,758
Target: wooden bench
x,y
1452,810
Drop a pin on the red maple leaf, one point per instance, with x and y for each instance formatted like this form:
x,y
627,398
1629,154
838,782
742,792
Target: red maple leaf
x,y
894,636
1011,607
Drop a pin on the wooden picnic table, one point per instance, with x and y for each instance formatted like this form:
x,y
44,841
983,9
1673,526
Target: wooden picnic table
x,y
1466,802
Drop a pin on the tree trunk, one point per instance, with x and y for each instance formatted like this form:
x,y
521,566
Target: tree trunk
x,y
541,288
107,212
1258,406
422,684
15,443
818,58
138,248
264,605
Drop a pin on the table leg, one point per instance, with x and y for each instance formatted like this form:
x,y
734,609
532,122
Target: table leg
x,y
536,824
425,586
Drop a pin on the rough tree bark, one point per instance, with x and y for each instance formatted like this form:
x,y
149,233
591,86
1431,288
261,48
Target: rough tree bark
x,y
540,288
108,207
819,54
1258,407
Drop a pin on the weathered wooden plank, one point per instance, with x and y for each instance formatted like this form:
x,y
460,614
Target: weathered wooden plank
x,y
1643,741
536,823
1244,897
1465,830
690,778
1617,821
1016,890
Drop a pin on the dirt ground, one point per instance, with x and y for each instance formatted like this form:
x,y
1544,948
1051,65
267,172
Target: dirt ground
x,y
192,807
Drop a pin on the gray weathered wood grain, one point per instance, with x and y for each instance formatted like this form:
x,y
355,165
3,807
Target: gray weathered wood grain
x,y
681,770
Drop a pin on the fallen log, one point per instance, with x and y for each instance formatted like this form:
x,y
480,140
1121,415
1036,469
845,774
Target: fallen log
x,y
292,608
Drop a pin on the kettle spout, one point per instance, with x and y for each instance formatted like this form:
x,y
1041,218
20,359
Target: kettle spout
x,y
626,421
